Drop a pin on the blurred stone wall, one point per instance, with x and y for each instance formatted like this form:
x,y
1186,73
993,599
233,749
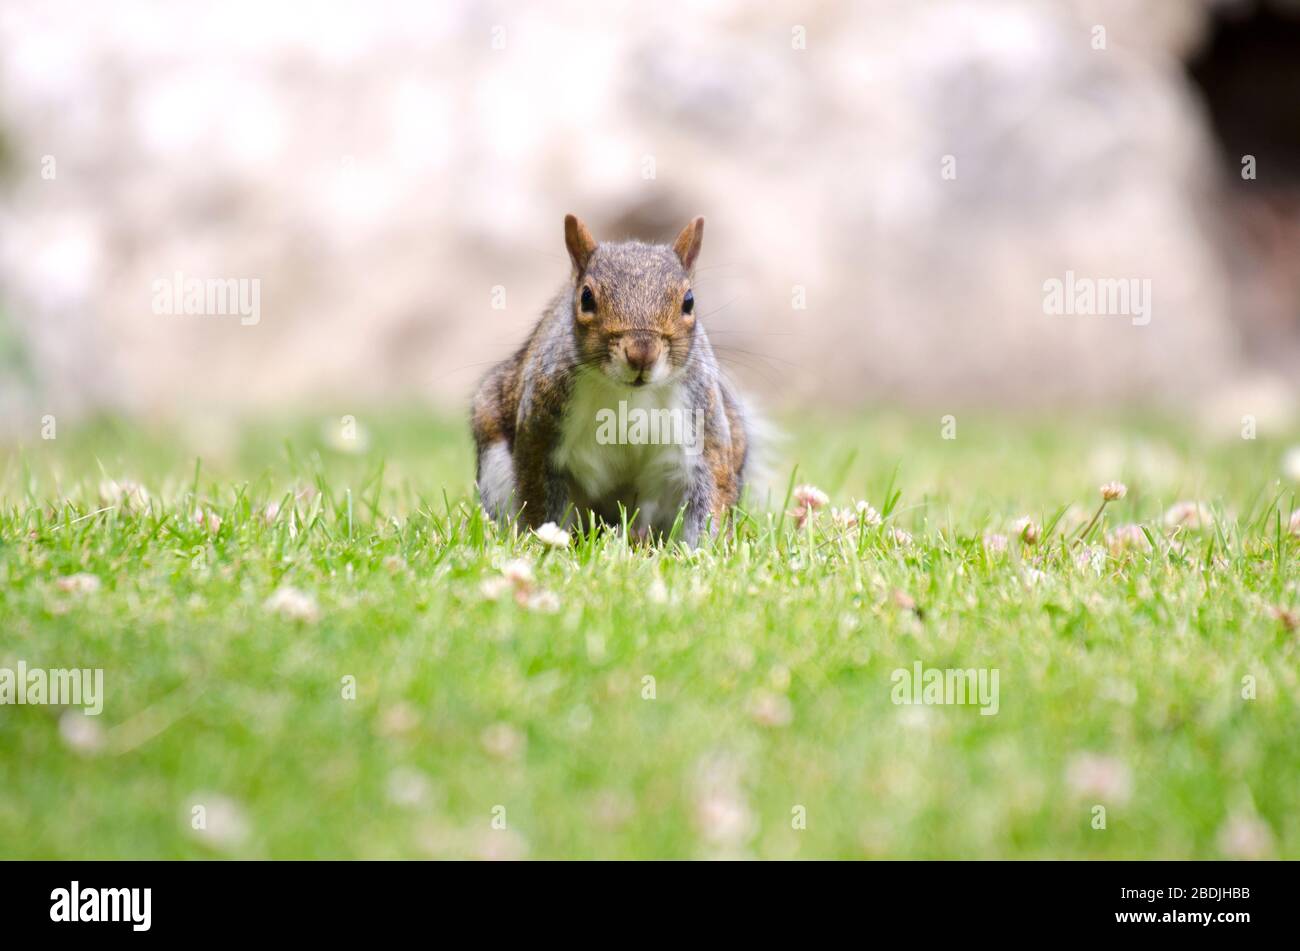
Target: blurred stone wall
x,y
391,173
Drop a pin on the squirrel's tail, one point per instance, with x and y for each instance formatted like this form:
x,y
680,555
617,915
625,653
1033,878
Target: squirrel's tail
x,y
762,493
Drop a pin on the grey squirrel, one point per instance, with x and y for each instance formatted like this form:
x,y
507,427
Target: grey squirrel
x,y
619,344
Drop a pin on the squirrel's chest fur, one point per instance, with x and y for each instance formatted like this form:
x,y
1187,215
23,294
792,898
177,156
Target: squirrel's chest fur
x,y
637,453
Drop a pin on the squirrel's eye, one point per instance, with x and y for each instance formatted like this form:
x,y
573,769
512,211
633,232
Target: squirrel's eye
x,y
688,302
588,302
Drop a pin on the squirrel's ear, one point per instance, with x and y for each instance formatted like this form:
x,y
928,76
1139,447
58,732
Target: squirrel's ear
x,y
579,242
687,245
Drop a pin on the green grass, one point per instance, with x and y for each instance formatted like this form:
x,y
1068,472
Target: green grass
x,y
771,651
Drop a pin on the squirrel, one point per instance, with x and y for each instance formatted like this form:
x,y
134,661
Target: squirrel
x,y
615,399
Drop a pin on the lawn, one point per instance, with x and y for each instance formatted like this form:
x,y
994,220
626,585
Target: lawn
x,y
314,645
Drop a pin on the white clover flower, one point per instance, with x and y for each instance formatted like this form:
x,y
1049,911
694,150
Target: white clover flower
x,y
844,518
125,494
295,605
408,787
552,535
499,845
503,741
1246,836
809,499
995,543
80,583
80,732
398,719
860,515
1113,490
224,825
724,818
1028,530
518,572
545,602
1294,525
721,810
770,709
658,591
867,514
492,588
1186,514
1092,775
1128,537
517,577
810,496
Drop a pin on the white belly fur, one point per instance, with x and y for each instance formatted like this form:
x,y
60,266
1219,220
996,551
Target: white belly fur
x,y
650,477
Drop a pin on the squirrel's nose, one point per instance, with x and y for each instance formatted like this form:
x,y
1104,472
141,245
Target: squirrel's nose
x,y
641,354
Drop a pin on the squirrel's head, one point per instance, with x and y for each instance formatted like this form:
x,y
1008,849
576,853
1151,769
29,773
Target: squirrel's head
x,y
633,309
